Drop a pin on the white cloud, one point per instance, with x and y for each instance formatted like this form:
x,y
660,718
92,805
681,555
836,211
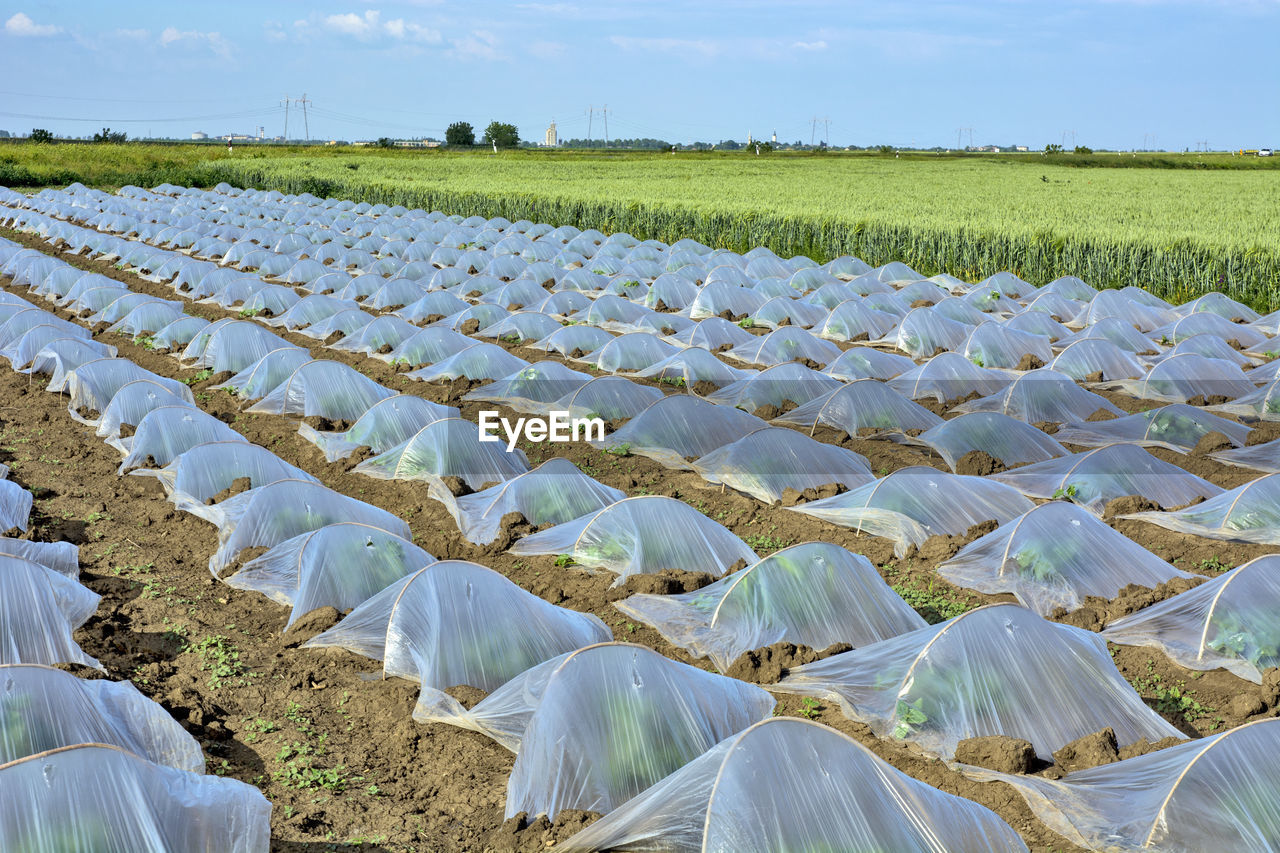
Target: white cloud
x,y
214,40
135,35
370,26
481,44
810,45
21,25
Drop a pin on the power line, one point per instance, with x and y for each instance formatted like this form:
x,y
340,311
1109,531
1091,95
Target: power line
x,y
306,125
117,119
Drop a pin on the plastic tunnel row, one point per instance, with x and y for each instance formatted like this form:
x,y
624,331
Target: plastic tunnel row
x,y
61,736
995,670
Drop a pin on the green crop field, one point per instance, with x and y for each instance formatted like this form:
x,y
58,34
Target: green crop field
x,y
1176,231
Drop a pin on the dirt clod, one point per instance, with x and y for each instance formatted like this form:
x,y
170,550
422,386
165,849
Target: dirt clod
x,y
1092,750
997,752
769,664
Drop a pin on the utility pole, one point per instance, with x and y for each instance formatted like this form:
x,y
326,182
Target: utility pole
x,y
286,117
591,114
605,113
960,131
306,125
813,130
826,132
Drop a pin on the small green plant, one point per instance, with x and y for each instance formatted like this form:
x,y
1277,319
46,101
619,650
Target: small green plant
x,y
619,450
250,312
977,359
221,660
1067,493
146,341
810,708
911,717
564,560
746,323
200,376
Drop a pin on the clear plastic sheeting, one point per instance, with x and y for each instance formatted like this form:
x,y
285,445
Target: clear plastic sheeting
x,y
1228,622
1262,403
593,728
610,398
553,493
634,537
268,515
778,386
101,798
1097,359
1042,395
815,594
993,345
914,503
1181,377
923,332
1095,477
455,623
340,565
168,431
384,425
679,428
231,346
39,608
784,345
997,670
267,373
1259,457
1248,513
1215,793
477,361
45,708
327,389
92,385
1006,439
532,388
450,447
862,404
693,365
948,376
202,472
1176,427
868,363
806,787
1054,556
767,462
61,557
15,505
58,358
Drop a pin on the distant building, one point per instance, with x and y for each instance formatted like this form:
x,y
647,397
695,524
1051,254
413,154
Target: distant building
x,y
199,134
775,137
1019,148
551,139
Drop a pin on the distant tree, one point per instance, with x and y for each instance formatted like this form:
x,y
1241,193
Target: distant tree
x,y
41,135
385,142
1053,148
460,133
501,134
107,135
4,134
885,149
728,145
1081,149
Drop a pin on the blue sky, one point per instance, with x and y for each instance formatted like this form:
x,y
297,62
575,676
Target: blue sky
x,y
1119,73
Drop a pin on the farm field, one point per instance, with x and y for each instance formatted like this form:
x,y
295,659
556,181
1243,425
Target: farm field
x,y
335,747
1178,232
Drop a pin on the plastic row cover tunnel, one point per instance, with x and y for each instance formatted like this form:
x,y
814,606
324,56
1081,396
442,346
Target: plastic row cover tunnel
x,y
768,462
1054,556
681,427
997,670
1248,513
99,797
1216,793
594,727
339,565
1229,622
815,594
44,708
805,787
553,493
917,502
268,515
39,609
458,623
637,536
